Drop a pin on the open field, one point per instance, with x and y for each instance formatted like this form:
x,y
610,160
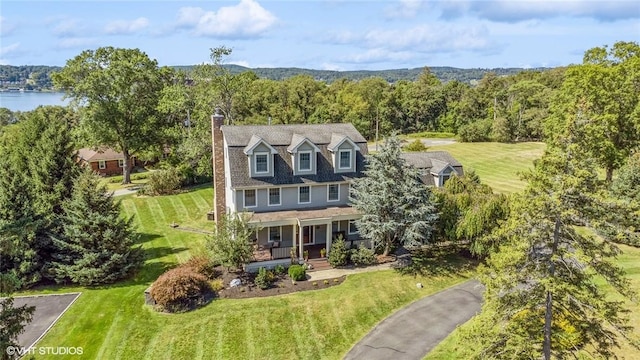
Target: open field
x,y
112,322
453,348
497,164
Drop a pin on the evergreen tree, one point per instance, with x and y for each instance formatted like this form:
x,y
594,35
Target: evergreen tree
x,y
541,298
396,207
97,245
12,319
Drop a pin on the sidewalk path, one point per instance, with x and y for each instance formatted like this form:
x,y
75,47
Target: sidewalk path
x,y
416,329
126,191
334,273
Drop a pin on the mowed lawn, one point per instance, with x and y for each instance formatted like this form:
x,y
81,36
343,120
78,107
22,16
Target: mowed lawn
x,y
112,322
497,164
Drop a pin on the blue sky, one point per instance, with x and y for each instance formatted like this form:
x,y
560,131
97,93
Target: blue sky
x,y
320,34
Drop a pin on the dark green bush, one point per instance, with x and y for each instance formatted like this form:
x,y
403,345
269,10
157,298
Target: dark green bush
x,y
279,270
162,182
297,272
264,279
181,289
339,254
363,256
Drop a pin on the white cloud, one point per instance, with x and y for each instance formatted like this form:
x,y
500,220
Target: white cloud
x,y
404,9
6,27
67,28
246,19
9,49
515,11
122,27
75,43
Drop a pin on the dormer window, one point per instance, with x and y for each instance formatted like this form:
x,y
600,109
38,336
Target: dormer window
x,y
345,159
262,163
304,161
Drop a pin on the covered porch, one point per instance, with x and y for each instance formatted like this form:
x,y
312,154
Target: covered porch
x,y
291,233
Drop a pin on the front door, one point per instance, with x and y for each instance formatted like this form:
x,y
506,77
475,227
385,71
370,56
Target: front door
x,y
307,234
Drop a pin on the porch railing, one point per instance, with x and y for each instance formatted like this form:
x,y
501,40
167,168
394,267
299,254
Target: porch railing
x,y
281,252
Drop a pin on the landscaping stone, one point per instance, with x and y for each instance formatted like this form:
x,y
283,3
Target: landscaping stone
x,y
235,283
148,299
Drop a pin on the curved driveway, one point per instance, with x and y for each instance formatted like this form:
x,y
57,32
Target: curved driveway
x,y
416,329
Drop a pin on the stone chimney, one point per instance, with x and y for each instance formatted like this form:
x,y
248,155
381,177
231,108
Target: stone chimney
x,y
218,165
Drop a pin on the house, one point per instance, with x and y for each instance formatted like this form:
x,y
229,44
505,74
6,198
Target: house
x,y
294,182
104,161
435,167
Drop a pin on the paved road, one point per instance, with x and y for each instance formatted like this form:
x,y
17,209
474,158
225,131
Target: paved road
x,y
413,331
48,309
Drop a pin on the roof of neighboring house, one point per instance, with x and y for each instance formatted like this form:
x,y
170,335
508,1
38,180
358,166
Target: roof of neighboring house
x,y
281,137
431,162
91,155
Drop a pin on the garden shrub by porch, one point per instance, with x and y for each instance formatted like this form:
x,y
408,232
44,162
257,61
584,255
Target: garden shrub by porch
x,y
297,273
202,265
264,279
363,256
279,269
339,254
181,289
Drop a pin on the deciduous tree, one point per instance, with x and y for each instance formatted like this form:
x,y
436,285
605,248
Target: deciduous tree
x,y
230,245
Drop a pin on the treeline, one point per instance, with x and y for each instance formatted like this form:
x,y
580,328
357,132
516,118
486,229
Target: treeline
x,y
28,77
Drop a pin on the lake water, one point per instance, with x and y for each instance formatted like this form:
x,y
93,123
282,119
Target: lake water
x,y
29,100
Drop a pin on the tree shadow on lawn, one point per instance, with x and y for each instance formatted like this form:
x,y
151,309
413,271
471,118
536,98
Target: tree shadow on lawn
x,y
145,238
439,260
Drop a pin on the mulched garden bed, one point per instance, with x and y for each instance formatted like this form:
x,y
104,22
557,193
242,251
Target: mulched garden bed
x,y
281,285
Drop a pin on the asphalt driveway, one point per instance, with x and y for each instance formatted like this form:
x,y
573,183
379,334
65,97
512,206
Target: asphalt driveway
x,y
49,308
416,329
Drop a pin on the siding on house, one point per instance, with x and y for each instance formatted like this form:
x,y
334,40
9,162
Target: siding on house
x,y
289,198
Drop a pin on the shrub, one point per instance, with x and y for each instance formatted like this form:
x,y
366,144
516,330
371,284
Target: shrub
x,y
297,272
279,269
202,265
216,284
264,279
475,132
180,289
363,256
415,145
339,254
162,182
230,245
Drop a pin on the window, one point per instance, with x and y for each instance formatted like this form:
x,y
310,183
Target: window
x,y
304,195
304,161
102,164
120,162
333,192
262,163
345,159
275,233
274,196
250,198
353,229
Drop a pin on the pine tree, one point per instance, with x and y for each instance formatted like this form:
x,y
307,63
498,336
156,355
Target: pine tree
x,y
541,298
97,245
397,209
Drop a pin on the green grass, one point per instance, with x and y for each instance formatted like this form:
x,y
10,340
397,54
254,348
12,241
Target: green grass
x,y
453,348
112,322
430,134
497,164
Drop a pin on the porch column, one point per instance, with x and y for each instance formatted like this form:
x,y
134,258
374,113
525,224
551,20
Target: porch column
x,y
301,249
329,233
294,235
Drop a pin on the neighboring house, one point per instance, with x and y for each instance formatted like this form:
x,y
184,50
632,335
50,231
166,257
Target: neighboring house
x,y
293,180
435,167
104,161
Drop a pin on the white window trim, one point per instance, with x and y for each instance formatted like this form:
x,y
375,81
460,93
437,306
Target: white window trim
x,y
269,233
279,197
305,202
244,198
340,161
102,164
310,160
255,163
349,228
328,192
121,163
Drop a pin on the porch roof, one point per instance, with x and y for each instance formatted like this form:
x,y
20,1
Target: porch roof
x,y
297,216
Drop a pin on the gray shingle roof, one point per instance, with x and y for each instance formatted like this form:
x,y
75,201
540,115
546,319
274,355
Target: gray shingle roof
x,y
282,134
432,161
280,138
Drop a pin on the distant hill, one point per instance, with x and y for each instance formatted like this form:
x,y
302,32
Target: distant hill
x,y
38,76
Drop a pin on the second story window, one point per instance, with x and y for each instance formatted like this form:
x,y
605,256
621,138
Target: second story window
x,y
250,198
262,163
345,159
304,194
274,196
333,192
304,161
